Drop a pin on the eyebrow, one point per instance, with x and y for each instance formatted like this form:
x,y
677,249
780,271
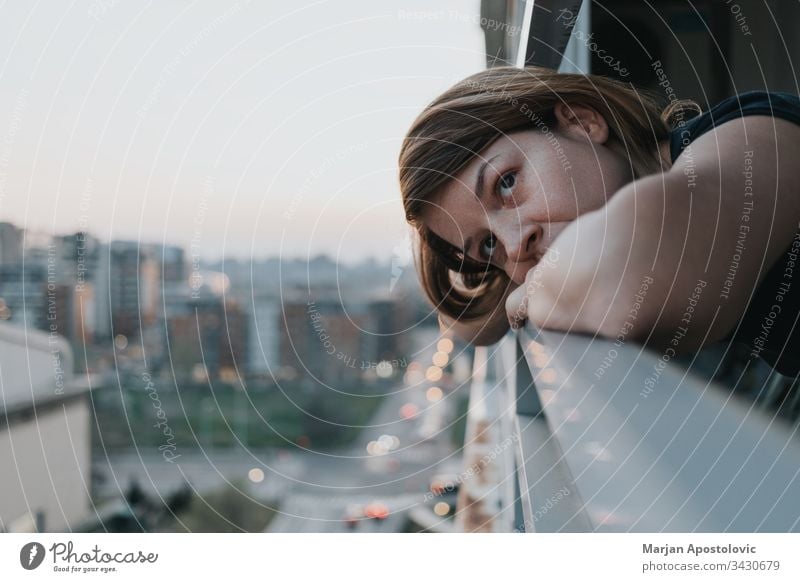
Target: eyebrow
x,y
479,182
479,193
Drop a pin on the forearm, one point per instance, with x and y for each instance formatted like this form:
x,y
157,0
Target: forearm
x,y
697,252
708,242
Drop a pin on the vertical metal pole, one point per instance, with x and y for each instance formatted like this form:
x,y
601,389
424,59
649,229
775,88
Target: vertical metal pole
x,y
522,49
577,58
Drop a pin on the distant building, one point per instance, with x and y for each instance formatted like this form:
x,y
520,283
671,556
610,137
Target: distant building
x,y
69,313
320,341
23,288
78,255
264,319
10,244
49,288
124,288
134,287
174,268
77,263
387,334
210,338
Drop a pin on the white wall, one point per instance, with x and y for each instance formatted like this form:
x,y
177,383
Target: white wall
x,y
45,467
45,449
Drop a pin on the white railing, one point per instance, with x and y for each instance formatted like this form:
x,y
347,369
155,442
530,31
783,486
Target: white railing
x,y
612,438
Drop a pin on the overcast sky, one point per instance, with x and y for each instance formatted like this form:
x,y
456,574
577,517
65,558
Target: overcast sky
x,y
258,128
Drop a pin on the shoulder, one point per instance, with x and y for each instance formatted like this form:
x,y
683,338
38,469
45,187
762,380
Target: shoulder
x,y
770,103
733,198
774,141
773,104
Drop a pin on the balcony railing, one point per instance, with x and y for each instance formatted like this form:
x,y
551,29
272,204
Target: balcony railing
x,y
594,436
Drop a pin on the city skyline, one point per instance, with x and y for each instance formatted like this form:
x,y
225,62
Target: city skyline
x,y
167,125
39,237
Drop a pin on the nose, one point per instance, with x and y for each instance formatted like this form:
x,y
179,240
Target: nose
x,y
522,244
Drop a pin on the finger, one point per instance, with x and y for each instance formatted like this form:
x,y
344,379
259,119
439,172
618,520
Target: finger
x,y
517,308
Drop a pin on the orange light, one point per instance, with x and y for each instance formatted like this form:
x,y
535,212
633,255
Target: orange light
x,y
434,394
548,376
445,345
376,511
541,360
440,359
408,410
536,347
433,374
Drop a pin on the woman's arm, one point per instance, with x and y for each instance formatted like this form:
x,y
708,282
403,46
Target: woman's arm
x,y
700,237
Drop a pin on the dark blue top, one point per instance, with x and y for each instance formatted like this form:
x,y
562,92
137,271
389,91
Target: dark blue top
x,y
770,326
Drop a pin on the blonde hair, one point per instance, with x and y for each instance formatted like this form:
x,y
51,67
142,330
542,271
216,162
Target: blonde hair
x,y
470,116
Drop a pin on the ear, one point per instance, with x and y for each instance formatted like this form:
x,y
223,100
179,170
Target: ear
x,y
581,121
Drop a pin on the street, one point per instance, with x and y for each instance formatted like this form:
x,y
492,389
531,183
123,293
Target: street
x,y
388,468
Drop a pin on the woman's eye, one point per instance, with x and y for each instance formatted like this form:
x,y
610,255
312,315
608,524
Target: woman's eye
x,y
488,246
505,185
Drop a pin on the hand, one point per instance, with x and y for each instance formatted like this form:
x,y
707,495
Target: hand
x,y
517,305
539,282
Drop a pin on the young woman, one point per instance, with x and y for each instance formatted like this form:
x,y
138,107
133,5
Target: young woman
x,y
571,202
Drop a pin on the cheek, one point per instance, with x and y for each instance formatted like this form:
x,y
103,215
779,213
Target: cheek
x,y
562,198
553,190
602,175
553,200
590,193
596,171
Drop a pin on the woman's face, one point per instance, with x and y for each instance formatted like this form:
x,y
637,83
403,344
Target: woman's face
x,y
509,203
